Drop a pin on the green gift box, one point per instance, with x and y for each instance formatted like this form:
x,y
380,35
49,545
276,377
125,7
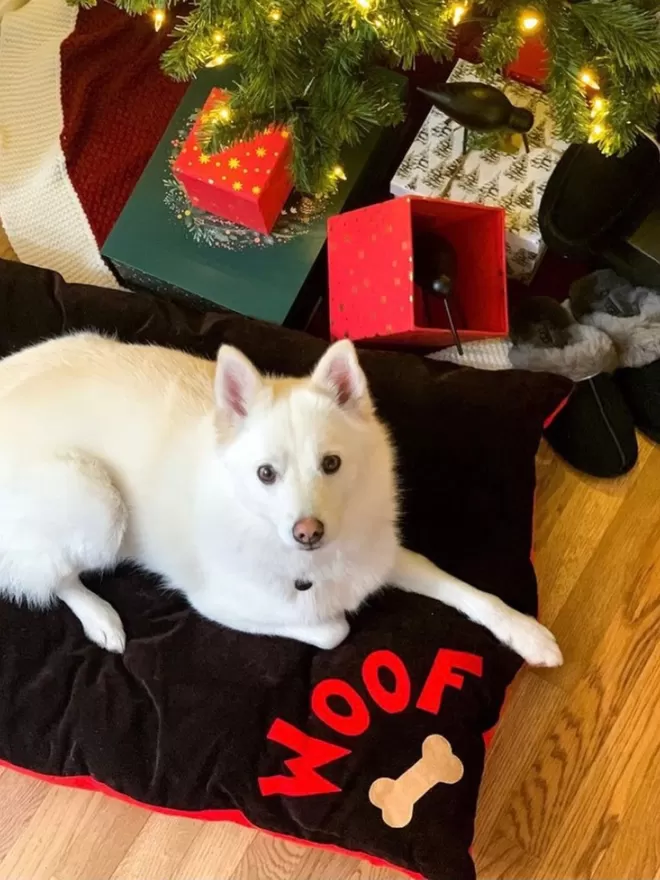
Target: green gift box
x,y
162,242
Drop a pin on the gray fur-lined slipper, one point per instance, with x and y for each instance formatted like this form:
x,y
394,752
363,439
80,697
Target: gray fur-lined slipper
x,y
631,318
594,431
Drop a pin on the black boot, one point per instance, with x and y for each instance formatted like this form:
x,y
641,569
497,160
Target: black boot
x,y
594,430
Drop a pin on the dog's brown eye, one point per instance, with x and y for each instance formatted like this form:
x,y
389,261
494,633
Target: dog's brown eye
x,y
330,464
267,474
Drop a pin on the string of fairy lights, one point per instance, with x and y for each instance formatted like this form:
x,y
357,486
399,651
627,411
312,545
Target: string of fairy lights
x,y
530,22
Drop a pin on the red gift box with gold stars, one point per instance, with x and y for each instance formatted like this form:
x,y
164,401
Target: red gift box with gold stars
x,y
247,183
373,292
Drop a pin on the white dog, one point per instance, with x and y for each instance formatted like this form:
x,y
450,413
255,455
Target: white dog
x,y
271,504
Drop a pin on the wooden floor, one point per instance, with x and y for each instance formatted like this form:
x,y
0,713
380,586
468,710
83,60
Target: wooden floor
x,y
572,788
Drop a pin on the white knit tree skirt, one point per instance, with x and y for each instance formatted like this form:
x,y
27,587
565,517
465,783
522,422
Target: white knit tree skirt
x,y
40,210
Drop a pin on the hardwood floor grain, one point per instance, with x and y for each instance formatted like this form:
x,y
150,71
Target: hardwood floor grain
x,y
572,782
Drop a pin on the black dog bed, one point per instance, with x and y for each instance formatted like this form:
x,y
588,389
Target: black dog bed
x,y
197,719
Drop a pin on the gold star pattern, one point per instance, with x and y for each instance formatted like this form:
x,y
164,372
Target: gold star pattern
x,y
256,190
285,135
234,163
238,186
204,159
261,152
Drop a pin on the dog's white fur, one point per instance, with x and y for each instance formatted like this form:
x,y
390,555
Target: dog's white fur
x,y
111,451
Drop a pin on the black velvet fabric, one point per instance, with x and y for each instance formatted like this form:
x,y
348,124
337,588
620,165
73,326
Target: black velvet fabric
x,y
182,719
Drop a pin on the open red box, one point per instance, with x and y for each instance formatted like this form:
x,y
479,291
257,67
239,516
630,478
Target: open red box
x,y
371,262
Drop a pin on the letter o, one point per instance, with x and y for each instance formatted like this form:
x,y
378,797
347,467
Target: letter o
x,y
389,701
353,724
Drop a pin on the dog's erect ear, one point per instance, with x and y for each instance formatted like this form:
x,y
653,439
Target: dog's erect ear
x,y
340,373
237,383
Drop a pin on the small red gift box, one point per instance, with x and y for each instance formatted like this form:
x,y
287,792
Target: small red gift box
x,y
247,183
531,65
371,271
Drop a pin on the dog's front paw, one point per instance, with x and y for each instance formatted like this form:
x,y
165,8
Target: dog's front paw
x,y
529,638
329,635
104,627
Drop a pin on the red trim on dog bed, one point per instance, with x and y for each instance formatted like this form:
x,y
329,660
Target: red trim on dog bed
x,y
553,415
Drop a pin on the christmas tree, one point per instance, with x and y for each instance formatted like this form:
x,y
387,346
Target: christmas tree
x,y
319,66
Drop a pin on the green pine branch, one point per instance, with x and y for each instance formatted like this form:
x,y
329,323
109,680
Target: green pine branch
x,y
316,66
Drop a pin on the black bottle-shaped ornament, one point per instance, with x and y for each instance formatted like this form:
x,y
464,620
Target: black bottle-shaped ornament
x,y
434,261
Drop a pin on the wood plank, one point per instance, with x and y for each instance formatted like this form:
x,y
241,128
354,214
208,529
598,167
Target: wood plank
x,y
159,848
215,852
20,797
104,835
269,858
630,757
515,745
503,860
321,865
51,828
609,629
572,514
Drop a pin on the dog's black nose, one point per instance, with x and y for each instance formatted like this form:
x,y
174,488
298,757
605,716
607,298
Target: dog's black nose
x,y
308,531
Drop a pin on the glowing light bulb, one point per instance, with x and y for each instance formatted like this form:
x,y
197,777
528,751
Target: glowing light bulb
x,y
598,107
218,37
275,14
338,172
529,21
596,133
588,78
364,4
458,13
158,16
225,114
218,61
